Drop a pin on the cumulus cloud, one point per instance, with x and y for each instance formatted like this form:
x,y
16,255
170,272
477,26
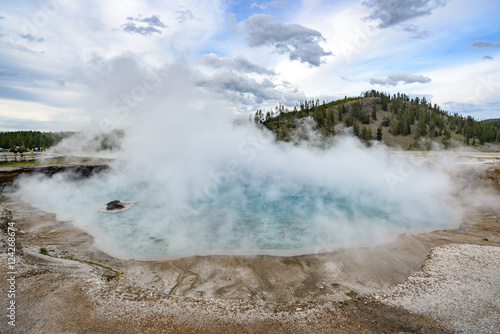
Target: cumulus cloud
x,y
299,42
230,83
184,15
152,24
31,38
415,33
240,64
132,28
390,12
462,107
484,44
267,4
244,82
153,21
395,78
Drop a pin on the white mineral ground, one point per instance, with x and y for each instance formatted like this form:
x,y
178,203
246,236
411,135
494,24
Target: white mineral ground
x,y
437,282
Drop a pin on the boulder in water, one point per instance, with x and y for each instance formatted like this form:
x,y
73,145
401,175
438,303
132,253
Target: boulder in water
x,y
114,205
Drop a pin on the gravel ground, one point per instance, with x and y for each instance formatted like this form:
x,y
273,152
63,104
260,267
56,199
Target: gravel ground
x,y
459,286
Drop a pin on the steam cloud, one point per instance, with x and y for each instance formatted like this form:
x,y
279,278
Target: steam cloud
x,y
208,183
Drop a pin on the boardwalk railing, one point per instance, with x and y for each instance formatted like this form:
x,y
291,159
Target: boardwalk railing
x,y
25,156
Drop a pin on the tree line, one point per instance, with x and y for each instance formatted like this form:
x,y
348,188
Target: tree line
x,y
24,140
31,139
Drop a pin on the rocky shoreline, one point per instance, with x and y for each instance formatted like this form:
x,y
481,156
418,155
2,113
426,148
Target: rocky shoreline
x,y
65,285
9,174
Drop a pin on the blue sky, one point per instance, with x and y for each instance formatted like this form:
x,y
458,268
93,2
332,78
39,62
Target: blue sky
x,y
65,63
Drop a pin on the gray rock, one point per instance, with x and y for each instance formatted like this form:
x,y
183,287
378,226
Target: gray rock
x,y
114,205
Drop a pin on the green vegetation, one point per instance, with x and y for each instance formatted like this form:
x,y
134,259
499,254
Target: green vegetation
x,y
377,115
51,161
18,163
109,273
31,139
23,141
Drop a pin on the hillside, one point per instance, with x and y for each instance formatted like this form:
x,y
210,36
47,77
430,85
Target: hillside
x,y
398,121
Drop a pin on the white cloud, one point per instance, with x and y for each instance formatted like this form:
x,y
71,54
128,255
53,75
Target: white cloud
x,y
146,26
468,88
21,114
239,63
484,44
266,4
249,85
390,13
395,78
299,42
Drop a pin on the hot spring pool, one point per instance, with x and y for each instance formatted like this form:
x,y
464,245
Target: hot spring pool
x,y
268,215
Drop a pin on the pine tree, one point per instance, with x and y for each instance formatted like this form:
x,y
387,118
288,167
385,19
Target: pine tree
x,y
343,108
422,129
356,129
384,103
446,138
330,115
379,133
364,133
369,134
374,112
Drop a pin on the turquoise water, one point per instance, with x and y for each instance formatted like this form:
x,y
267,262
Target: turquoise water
x,y
249,217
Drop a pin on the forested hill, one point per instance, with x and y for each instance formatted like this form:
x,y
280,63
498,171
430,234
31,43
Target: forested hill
x,y
397,120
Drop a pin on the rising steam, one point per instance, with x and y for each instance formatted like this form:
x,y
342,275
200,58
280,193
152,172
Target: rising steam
x,y
208,183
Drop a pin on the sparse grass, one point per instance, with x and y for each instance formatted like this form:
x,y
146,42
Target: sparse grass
x,y
18,163
51,161
65,255
116,274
